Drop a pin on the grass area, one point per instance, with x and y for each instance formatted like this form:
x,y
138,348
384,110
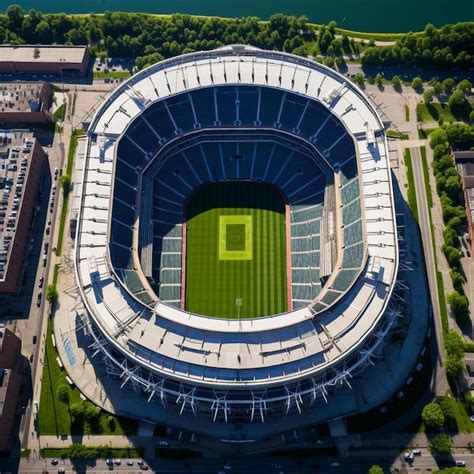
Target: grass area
x,y
73,108
397,134
91,452
25,453
54,417
407,113
430,112
236,251
58,128
101,75
426,176
424,133
411,184
437,111
60,112
70,161
370,36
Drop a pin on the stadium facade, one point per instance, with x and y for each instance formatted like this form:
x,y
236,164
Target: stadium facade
x,y
237,114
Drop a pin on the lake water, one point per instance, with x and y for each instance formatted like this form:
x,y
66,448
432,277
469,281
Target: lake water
x,y
362,15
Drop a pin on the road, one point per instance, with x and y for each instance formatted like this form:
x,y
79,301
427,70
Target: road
x,y
28,430
356,463
425,229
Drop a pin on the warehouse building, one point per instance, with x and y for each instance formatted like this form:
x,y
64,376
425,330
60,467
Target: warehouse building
x,y
21,164
43,59
25,102
11,367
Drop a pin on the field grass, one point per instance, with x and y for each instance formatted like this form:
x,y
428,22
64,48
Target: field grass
x,y
54,417
411,184
236,251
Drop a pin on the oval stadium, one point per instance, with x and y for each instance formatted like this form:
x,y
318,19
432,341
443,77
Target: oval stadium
x,y
236,245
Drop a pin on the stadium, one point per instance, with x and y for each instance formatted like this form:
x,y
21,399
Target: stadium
x,y
236,245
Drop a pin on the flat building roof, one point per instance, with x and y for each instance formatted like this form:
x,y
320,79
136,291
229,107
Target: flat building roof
x,y
42,54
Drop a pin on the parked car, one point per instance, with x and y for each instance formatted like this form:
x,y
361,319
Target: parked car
x,y
460,463
38,300
416,452
41,282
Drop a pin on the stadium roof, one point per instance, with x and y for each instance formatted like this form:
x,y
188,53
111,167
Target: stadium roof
x,y
185,346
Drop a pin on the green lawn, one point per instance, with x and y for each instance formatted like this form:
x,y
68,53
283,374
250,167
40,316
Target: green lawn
x,y
54,417
60,112
429,112
436,111
236,251
411,184
100,75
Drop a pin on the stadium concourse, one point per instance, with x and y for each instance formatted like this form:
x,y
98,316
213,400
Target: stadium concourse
x,y
237,114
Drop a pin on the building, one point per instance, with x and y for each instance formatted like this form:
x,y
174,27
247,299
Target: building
x,y
25,102
43,59
464,160
11,369
237,114
21,167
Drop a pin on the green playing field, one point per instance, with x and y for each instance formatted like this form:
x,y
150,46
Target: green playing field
x,y
236,251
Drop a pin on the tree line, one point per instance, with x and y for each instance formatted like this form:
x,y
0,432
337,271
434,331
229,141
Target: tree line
x,y
148,38
451,45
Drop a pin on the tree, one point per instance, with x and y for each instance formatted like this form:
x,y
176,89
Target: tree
x,y
417,83
451,237
453,255
441,444
437,88
448,85
464,86
378,81
359,79
454,344
52,293
77,410
62,392
15,15
446,404
397,83
432,417
458,279
438,137
428,96
459,306
454,367
65,183
459,105
329,62
375,469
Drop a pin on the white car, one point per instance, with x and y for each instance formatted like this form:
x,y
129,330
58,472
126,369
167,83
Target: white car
x,y
460,463
472,418
335,464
